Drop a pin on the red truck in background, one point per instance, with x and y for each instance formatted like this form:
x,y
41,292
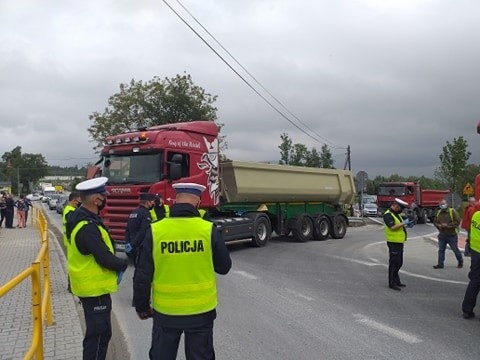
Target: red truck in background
x,y
422,203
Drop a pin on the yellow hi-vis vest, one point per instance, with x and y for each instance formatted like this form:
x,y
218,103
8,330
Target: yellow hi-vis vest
x,y
475,232
87,277
153,213
184,278
68,209
396,236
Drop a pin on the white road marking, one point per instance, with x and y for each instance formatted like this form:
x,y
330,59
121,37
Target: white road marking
x,y
300,295
245,274
387,330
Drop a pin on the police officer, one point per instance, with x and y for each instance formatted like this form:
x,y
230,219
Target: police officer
x,y
473,288
73,203
159,210
396,235
137,225
180,256
93,268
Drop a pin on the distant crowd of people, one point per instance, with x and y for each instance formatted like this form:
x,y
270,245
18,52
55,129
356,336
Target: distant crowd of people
x,y
8,205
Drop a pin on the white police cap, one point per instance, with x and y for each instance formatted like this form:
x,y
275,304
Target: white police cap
x,y
93,186
401,202
189,188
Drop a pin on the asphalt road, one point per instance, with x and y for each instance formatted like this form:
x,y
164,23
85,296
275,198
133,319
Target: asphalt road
x,y
330,300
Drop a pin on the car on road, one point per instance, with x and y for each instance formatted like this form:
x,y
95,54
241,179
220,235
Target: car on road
x,y
52,203
370,209
34,197
61,202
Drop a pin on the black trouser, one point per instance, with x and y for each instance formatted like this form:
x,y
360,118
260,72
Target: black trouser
x,y
98,326
3,213
198,342
395,262
9,218
473,288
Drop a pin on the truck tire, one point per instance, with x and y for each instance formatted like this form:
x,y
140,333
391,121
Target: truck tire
x,y
302,227
262,231
421,216
339,228
322,227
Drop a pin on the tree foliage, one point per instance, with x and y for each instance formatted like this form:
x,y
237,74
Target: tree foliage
x,y
298,154
155,102
24,169
453,163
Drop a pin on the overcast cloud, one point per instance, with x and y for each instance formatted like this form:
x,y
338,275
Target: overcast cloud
x,y
394,79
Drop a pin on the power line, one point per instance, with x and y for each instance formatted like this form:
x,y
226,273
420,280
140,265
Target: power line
x,y
238,74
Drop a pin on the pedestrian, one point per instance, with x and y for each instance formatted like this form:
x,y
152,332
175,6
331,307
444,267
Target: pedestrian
x,y
28,205
177,265
473,287
447,222
396,235
3,207
94,270
137,225
466,222
20,205
74,203
160,209
9,210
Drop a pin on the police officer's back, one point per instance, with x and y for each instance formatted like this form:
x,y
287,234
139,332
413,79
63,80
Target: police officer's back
x,y
179,259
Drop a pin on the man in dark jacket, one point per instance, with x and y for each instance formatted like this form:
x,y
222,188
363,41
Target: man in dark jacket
x,y
447,222
179,259
137,225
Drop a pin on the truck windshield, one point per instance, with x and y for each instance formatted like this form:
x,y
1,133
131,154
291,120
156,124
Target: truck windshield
x,y
133,169
391,190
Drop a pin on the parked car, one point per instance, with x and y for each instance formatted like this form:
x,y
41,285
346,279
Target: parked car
x,y
370,209
52,203
61,202
34,197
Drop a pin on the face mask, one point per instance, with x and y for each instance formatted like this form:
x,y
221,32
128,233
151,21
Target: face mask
x,y
102,205
79,203
443,206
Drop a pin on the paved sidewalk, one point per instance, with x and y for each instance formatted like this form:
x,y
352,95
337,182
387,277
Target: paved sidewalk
x,y
62,340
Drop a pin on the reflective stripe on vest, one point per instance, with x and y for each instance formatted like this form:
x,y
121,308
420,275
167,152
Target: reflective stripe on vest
x,y
68,209
153,213
475,232
396,236
184,278
87,277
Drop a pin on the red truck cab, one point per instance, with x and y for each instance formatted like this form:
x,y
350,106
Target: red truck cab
x,y
150,160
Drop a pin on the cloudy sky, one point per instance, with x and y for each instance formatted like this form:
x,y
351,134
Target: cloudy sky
x,y
394,79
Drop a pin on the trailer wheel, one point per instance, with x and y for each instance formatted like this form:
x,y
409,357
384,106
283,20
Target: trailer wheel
x,y
339,228
262,231
302,227
421,216
322,227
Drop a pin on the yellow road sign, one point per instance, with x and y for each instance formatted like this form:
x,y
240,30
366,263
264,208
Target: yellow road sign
x,y
468,189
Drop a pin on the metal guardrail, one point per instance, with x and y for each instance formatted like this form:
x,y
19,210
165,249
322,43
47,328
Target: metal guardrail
x,y
41,304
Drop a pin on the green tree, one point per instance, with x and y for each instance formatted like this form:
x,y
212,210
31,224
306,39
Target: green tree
x,y
299,155
155,102
286,148
313,158
23,169
326,160
453,162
